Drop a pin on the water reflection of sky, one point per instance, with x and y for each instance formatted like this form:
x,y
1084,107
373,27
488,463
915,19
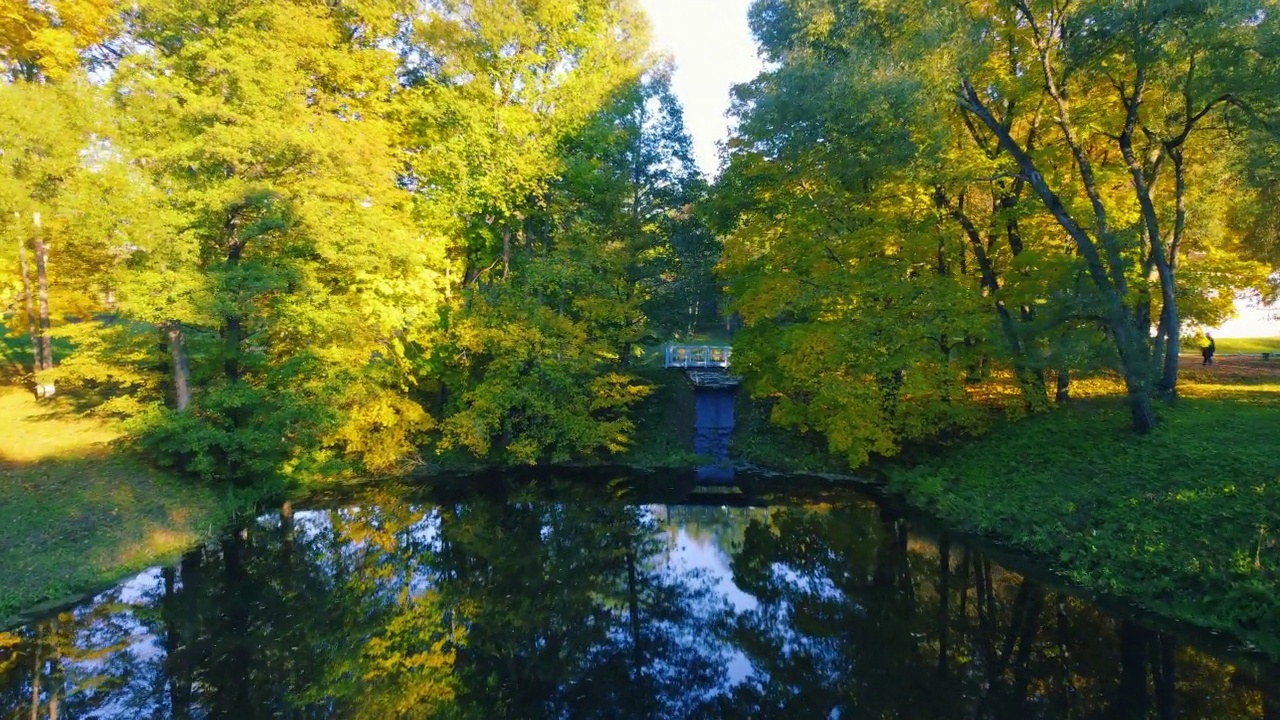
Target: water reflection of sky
x,y
690,555
696,613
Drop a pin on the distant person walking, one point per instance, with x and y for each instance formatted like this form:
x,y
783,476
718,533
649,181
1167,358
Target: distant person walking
x,y
1207,349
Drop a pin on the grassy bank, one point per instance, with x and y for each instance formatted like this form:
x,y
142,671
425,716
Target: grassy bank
x,y
1184,521
1244,346
76,513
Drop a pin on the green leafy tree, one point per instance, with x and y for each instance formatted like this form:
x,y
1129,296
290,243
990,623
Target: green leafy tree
x,y
43,40
292,289
55,181
898,260
515,115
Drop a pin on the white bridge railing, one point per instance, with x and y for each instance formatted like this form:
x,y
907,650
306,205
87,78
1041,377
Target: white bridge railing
x,y
698,356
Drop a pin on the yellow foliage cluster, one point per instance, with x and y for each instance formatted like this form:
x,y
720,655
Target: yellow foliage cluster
x,y
47,37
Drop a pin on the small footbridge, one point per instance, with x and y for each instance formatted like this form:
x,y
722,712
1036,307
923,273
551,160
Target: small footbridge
x,y
704,365
708,370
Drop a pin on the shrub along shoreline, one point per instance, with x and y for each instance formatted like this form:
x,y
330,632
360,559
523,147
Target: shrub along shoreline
x,y
1184,522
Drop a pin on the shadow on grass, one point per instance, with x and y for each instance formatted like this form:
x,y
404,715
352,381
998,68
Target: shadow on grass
x,y
77,513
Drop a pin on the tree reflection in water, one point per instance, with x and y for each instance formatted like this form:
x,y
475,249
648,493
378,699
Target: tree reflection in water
x,y
579,604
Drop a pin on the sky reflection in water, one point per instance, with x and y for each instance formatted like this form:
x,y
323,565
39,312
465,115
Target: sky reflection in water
x,y
581,602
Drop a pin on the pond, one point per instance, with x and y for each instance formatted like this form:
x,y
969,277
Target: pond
x,y
606,597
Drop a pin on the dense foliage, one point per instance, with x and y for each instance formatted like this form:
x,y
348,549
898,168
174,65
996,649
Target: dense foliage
x,y
929,204
303,237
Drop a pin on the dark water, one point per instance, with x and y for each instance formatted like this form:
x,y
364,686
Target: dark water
x,y
608,599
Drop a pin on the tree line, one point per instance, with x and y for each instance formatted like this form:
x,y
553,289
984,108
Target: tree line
x,y
285,239
308,237
930,204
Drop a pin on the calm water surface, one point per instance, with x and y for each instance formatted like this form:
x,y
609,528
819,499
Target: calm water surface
x,y
604,599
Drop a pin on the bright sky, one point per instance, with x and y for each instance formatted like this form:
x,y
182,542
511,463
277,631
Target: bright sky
x,y
713,50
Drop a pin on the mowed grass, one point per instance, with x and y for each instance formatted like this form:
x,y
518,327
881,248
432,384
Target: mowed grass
x,y
1184,521
77,513
1245,346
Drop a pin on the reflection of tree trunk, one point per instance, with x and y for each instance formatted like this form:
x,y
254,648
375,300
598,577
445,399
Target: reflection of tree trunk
x,y
989,588
1131,701
35,681
1162,673
240,704
1064,654
1260,681
982,603
1022,662
905,579
892,570
1014,633
179,689
1020,636
633,603
286,530
944,600
42,283
57,680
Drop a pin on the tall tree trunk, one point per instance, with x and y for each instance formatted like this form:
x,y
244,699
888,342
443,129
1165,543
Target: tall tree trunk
x,y
181,366
1030,380
231,346
1135,363
1064,387
1169,375
232,331
1167,385
42,283
506,254
1107,276
1159,349
30,298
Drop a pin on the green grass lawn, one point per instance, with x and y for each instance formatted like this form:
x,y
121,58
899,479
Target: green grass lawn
x,y
77,514
1184,521
1246,346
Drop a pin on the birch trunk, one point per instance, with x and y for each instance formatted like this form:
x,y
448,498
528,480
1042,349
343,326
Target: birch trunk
x,y
181,367
42,283
31,307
